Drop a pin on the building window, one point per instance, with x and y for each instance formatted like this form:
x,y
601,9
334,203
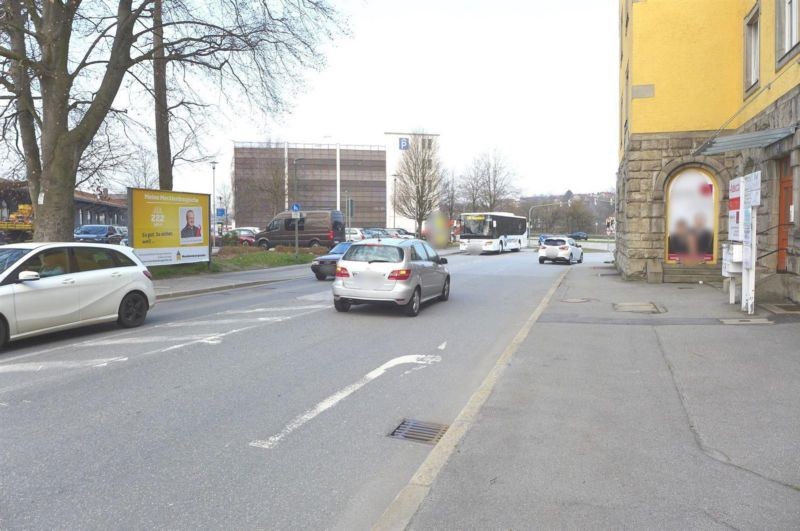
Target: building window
x,y
786,22
752,39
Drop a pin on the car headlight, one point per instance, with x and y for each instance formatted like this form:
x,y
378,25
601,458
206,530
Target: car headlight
x,y
315,262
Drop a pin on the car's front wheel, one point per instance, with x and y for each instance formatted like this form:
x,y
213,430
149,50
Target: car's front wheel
x,y
132,310
341,305
580,260
264,244
445,290
412,308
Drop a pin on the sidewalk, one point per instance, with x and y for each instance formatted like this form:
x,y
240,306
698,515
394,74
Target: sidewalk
x,y
609,419
171,288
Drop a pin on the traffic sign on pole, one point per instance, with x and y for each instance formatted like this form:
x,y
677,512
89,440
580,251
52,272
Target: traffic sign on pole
x,y
296,207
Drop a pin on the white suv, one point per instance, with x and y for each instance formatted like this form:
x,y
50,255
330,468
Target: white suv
x,y
560,249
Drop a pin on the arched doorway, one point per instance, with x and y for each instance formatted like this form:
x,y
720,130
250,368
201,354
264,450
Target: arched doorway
x,y
692,203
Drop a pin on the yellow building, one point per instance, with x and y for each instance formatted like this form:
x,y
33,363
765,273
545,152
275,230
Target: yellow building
x,y
709,90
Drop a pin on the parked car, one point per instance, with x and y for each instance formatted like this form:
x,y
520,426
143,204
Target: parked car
x,y
354,234
314,229
47,287
325,266
578,235
560,249
243,237
98,234
403,273
399,233
377,233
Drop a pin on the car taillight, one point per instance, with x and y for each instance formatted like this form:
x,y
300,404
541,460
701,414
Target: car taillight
x,y
148,274
342,272
564,248
330,235
400,274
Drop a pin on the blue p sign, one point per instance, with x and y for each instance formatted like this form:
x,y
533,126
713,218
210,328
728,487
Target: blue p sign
x,y
403,143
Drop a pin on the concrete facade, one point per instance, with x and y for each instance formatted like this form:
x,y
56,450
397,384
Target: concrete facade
x,y
263,181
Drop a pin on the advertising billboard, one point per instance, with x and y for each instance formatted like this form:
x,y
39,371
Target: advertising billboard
x,y
691,218
169,227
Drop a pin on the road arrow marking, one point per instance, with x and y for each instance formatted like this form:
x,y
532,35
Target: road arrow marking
x,y
340,395
442,346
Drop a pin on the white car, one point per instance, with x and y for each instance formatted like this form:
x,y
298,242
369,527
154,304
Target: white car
x,y
403,234
560,249
47,287
354,234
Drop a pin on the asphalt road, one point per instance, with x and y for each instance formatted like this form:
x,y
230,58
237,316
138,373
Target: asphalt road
x,y
253,408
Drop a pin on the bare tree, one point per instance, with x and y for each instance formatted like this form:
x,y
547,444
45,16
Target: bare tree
x,y
449,194
471,187
63,64
139,171
497,180
419,180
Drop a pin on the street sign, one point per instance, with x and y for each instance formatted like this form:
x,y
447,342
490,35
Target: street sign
x,y
296,207
404,143
220,212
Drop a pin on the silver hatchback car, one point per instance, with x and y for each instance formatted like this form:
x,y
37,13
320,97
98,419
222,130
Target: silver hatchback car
x,y
403,273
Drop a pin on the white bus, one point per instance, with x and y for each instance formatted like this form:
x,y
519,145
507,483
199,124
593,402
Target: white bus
x,y
493,232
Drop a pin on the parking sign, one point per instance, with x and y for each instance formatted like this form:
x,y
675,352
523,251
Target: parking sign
x,y
404,143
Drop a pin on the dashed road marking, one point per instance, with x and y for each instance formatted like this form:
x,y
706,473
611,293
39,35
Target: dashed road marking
x,y
340,395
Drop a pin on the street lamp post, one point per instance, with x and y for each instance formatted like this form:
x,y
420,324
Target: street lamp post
x,y
294,200
214,198
394,201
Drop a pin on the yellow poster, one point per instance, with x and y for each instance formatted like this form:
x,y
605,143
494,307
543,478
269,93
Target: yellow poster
x,y
169,227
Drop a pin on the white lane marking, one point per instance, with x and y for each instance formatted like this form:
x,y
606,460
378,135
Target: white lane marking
x,y
140,340
187,324
340,395
442,346
326,295
278,309
76,364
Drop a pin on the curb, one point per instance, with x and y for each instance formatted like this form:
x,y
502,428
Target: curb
x,y
404,507
203,291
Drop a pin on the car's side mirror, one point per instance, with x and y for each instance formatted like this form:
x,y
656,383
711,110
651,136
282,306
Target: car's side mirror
x,y
442,261
26,276
577,245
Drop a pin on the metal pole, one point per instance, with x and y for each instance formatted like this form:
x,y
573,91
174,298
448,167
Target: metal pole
x,y
338,178
296,220
394,202
214,198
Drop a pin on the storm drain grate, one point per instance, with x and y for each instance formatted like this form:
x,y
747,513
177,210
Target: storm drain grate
x,y
637,307
419,431
746,321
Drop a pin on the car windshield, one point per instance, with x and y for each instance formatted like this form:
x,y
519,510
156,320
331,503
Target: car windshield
x,y
8,256
341,248
555,242
92,229
374,253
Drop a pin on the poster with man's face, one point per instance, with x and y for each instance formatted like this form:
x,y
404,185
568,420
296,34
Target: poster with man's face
x,y
691,235
191,225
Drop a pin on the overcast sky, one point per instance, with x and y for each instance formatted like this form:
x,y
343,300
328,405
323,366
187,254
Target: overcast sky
x,y
535,80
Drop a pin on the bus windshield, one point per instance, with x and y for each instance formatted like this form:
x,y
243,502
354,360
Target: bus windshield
x,y
476,227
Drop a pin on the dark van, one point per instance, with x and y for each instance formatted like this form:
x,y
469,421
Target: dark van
x,y
324,228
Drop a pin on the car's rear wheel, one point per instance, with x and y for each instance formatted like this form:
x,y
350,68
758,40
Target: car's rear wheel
x,y
571,260
541,260
132,310
245,243
320,276
445,290
313,244
341,305
412,308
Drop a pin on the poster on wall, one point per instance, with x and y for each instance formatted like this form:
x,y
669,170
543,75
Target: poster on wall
x,y
691,230
735,210
168,227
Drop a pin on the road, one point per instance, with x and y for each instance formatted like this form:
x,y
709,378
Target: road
x,y
259,407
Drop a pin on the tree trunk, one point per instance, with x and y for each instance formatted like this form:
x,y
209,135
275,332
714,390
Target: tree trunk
x,y
162,110
55,217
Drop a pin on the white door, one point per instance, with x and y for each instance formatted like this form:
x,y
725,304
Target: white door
x,y
100,282
52,300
